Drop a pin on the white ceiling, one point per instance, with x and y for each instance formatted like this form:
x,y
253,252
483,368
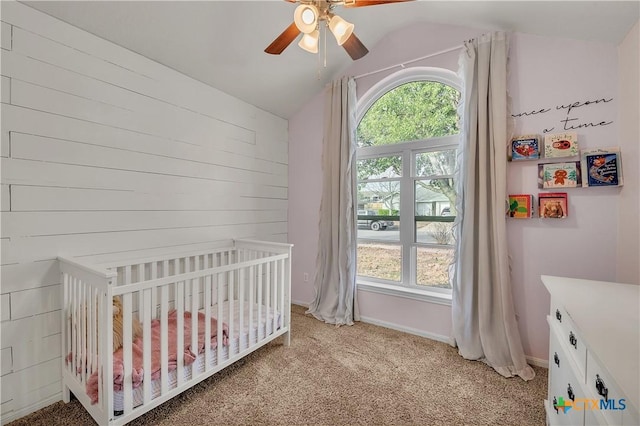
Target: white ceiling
x,y
221,43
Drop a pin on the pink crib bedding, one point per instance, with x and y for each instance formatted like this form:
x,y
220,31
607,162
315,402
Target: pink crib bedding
x,y
137,373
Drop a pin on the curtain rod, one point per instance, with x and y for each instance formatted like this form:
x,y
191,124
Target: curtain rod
x,y
402,64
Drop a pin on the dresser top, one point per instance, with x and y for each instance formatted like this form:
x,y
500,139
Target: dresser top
x,y
607,316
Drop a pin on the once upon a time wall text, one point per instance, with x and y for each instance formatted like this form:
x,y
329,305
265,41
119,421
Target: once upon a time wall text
x,y
570,121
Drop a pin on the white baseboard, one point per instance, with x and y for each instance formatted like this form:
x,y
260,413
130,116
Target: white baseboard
x,y
15,415
538,362
410,330
438,337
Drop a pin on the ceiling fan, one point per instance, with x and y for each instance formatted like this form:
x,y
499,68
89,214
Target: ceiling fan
x,y
307,19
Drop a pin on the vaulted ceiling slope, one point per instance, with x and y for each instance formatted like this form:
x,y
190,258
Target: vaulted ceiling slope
x,y
221,43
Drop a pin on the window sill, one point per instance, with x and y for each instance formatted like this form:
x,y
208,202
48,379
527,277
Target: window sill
x,y
407,293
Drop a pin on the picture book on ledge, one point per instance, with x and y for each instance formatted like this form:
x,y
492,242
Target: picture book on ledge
x,y
553,205
520,206
525,148
602,167
561,145
559,175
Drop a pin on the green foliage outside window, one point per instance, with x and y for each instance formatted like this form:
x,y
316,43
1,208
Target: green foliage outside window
x,y
413,111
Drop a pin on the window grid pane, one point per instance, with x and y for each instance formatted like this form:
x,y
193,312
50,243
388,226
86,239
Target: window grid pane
x,y
381,261
433,266
436,163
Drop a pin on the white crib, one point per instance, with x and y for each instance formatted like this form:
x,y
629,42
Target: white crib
x,y
245,285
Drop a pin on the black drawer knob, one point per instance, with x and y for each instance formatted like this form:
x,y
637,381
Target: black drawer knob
x,y
570,393
573,340
601,388
558,315
556,359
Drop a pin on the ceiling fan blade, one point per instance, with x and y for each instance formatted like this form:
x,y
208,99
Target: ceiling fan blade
x,y
281,42
354,47
362,3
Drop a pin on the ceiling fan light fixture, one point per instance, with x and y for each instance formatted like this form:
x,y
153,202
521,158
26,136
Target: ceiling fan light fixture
x,y
306,18
309,42
341,29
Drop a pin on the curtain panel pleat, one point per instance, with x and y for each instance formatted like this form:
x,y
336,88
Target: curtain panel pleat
x,y
335,279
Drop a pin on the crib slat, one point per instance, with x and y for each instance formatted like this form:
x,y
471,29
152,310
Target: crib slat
x,y
127,352
64,326
274,303
106,317
241,285
164,337
260,303
220,317
140,277
74,327
79,315
145,316
281,282
268,299
83,334
154,291
252,298
93,329
275,295
230,299
180,330
194,312
207,317
127,274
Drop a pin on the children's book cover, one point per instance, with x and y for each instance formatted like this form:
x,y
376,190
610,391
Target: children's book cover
x,y
559,175
602,167
525,148
553,205
561,145
521,206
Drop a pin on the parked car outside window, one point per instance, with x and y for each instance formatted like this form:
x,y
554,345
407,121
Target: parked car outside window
x,y
374,225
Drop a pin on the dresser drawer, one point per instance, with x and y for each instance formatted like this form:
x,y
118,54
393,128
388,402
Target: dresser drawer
x,y
565,384
570,337
601,386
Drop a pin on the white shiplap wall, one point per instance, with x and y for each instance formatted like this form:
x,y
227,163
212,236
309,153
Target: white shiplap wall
x,y
103,150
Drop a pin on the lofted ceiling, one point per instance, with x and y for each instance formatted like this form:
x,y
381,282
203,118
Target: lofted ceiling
x,y
221,43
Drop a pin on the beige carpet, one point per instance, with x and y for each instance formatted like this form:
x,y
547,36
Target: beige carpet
x,y
363,374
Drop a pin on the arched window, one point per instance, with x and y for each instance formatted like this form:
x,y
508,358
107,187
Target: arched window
x,y
408,140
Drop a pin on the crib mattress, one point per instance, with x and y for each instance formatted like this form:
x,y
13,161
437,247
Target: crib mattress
x,y
239,340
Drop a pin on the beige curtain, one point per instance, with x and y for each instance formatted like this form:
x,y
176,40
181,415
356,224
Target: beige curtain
x,y
335,279
484,323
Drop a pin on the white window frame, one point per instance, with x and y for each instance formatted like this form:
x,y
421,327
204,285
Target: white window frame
x,y
407,182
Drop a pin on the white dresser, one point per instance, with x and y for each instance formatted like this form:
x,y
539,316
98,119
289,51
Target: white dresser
x,y
594,352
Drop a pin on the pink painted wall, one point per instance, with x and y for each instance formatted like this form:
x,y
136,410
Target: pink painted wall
x,y
544,73
305,187
428,319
